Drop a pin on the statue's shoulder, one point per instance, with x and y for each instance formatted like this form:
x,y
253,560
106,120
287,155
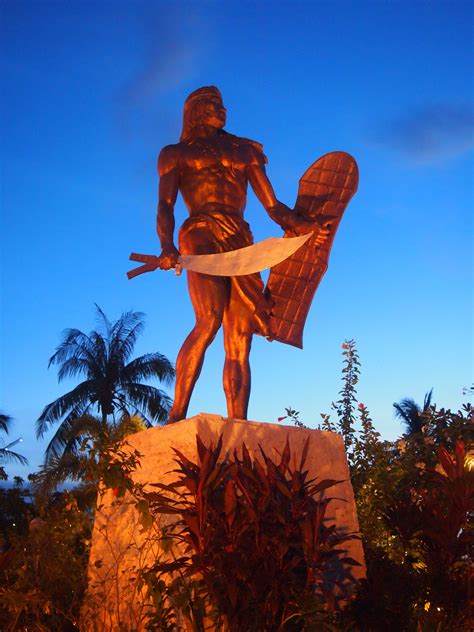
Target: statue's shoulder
x,y
169,157
254,148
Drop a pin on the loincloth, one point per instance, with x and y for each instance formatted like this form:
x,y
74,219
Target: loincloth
x,y
226,232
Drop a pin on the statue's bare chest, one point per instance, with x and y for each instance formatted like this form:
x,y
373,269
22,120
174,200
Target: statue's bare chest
x,y
219,155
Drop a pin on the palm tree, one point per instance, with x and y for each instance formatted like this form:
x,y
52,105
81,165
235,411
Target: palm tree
x,y
113,384
7,455
412,414
94,437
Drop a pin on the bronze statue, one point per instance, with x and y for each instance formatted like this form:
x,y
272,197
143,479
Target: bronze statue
x,y
212,169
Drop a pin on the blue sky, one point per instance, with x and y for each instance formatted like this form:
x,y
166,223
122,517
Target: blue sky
x,y
93,90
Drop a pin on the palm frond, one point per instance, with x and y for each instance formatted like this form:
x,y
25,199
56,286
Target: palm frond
x,y
5,421
72,367
9,456
79,399
86,424
150,365
409,412
77,430
427,400
65,436
59,469
75,343
103,321
152,403
124,336
101,359
401,411
412,414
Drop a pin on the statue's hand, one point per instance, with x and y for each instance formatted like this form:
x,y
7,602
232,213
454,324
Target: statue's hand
x,y
299,225
325,228
322,236
295,223
168,258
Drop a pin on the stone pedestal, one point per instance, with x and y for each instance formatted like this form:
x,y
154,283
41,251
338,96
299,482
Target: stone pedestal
x,y
120,546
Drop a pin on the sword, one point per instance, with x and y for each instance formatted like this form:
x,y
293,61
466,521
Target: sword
x,y
255,258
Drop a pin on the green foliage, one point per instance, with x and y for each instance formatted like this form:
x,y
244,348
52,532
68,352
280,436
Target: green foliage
x,y
43,573
44,567
256,553
344,406
114,468
416,536
16,511
93,451
256,547
412,513
294,416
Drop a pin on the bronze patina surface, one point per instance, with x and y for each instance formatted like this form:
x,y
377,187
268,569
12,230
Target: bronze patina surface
x,y
212,170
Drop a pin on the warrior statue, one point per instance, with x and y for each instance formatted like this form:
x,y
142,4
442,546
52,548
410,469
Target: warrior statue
x,y
212,169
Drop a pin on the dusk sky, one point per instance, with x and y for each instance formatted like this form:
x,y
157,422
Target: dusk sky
x,y
93,90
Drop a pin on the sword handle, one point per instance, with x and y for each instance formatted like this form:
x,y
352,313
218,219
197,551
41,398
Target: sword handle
x,y
150,263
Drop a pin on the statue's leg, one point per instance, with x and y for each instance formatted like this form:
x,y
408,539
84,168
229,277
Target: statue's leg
x,y
209,295
239,326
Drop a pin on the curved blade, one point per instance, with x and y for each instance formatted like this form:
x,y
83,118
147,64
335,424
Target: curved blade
x,y
265,254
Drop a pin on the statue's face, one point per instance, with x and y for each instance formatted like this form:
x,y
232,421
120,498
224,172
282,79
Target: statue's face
x,y
214,113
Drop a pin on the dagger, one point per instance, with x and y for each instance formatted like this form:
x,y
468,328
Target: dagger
x,y
247,260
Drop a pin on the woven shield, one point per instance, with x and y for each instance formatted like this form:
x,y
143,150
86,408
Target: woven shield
x,y
324,192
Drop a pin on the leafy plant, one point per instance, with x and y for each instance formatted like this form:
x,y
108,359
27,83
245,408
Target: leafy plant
x,y
418,560
94,452
253,539
294,416
414,519
43,577
345,406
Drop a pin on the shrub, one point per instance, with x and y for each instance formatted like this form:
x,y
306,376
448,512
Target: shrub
x,y
256,551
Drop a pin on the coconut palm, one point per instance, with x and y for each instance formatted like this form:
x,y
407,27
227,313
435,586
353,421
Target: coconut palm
x,y
114,383
412,414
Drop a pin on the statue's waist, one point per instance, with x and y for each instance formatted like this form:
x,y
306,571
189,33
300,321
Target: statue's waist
x,y
227,229
216,208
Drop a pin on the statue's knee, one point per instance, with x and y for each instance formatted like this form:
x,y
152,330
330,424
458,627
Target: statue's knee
x,y
237,348
208,326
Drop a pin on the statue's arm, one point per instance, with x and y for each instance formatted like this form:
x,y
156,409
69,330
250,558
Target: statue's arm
x,y
288,219
168,170
279,212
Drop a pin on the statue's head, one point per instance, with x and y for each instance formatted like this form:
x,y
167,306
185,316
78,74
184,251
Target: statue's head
x,y
203,107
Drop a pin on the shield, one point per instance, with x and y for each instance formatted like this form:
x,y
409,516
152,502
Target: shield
x,y
324,192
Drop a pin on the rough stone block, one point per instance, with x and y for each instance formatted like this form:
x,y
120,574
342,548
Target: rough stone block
x,y
120,546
